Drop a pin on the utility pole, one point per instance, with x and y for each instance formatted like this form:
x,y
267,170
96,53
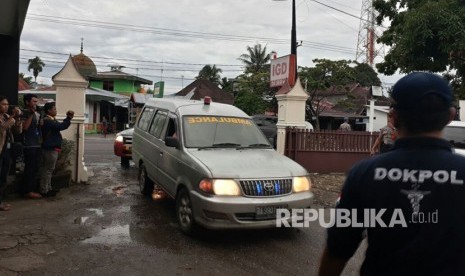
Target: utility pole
x,y
294,38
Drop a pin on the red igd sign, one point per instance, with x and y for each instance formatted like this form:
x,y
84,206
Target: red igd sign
x,y
282,69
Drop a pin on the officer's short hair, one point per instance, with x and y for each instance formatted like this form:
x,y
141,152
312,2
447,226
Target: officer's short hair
x,y
422,101
28,97
48,107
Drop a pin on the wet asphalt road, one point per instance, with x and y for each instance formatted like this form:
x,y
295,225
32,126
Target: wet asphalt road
x,y
108,228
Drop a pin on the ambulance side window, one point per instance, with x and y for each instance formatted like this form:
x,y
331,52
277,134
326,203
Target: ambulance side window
x,y
158,123
145,118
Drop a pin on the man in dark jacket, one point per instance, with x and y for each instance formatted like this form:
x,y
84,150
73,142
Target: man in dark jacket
x,y
51,146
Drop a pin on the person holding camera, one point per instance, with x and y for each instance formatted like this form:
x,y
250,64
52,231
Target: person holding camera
x,y
8,125
51,146
31,147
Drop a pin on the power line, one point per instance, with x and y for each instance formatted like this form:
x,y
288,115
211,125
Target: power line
x,y
152,76
344,12
347,6
130,67
173,32
126,59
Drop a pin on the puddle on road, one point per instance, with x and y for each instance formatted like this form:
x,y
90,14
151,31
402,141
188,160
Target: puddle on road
x,y
146,227
80,220
125,234
124,209
98,212
113,235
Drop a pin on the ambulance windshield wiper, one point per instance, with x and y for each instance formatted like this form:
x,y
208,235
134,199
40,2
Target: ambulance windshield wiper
x,y
256,146
221,145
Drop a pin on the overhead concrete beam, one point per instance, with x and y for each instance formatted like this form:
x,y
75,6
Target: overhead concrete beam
x,y
12,16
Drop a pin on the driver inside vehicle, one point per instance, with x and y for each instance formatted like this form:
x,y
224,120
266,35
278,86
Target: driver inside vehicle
x,y
171,132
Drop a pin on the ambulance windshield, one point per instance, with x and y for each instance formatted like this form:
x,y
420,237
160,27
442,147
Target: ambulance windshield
x,y
222,132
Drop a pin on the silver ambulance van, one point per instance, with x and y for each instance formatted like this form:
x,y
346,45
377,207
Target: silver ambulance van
x,y
216,163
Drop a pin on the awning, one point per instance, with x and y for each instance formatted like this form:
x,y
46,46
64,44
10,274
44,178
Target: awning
x,y
92,94
103,95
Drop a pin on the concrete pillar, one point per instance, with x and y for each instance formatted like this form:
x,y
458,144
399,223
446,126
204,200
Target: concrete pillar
x,y
291,111
71,95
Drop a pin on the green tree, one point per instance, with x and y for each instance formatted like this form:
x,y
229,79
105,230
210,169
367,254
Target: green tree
x,y
365,75
328,73
227,85
251,91
427,35
256,59
210,73
250,103
36,65
28,80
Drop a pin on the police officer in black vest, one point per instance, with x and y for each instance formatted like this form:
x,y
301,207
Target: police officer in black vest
x,y
411,200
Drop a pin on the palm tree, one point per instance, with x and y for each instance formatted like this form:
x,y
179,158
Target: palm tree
x,y
36,64
210,73
256,59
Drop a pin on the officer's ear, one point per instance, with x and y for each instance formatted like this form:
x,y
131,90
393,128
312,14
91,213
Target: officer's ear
x,y
452,114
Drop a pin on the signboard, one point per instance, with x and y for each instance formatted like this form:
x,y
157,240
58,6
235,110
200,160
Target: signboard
x,y
282,69
158,89
377,91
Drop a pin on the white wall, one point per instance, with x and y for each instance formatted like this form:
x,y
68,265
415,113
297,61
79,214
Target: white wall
x,y
462,110
89,112
379,120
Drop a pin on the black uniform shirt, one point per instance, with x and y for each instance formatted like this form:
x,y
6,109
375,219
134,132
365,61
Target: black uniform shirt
x,y
423,179
32,134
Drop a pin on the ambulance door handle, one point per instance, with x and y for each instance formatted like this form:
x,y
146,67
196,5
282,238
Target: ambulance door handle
x,y
161,153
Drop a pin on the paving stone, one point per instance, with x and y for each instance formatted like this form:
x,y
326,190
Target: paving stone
x,y
42,249
8,242
35,239
5,272
22,263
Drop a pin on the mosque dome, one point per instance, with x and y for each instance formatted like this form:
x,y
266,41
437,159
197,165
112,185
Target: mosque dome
x,y
84,64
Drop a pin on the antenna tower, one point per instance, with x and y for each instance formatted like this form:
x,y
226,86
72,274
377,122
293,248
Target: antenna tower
x,y
368,32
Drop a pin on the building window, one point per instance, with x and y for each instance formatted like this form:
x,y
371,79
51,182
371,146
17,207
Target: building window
x,y
108,85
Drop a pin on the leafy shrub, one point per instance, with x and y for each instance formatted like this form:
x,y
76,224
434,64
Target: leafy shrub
x,y
64,157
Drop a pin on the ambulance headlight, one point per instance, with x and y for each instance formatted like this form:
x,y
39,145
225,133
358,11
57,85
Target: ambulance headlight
x,y
301,184
223,187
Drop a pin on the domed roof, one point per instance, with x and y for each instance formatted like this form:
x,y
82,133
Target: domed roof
x,y
85,65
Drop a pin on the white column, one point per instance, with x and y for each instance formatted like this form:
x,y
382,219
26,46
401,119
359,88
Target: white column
x,y
291,111
371,122
71,95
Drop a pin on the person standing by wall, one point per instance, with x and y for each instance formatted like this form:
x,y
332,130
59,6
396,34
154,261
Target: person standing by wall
x,y
51,146
345,126
31,149
421,177
104,126
8,126
385,141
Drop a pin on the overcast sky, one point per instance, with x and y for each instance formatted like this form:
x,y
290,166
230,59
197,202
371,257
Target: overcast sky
x,y
173,40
